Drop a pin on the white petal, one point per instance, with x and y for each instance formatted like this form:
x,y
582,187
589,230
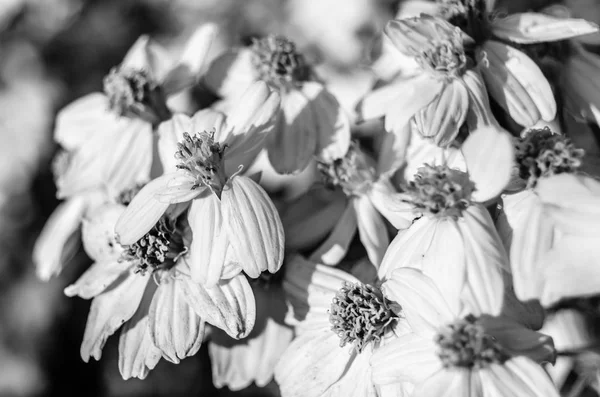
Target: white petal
x,y
229,305
381,195
409,358
98,232
356,381
209,241
534,27
518,84
480,113
97,278
109,311
83,119
143,212
451,382
489,155
334,248
174,326
192,62
518,376
254,227
138,55
170,132
231,73
53,248
393,151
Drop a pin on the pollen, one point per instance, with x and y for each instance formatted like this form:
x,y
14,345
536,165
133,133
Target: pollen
x,y
157,249
439,191
278,62
360,314
202,157
542,153
354,173
465,344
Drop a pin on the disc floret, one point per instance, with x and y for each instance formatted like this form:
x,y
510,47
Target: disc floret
x,y
464,344
542,153
278,62
354,173
439,191
360,314
202,157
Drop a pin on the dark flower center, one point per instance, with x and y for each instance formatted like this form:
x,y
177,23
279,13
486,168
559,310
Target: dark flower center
x,y
470,16
278,62
354,173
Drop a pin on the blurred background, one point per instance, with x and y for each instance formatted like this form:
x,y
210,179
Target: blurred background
x,y
54,51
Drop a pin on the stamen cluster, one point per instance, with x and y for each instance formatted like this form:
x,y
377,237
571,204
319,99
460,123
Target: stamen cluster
x,y
361,314
465,344
445,57
354,173
127,87
542,153
440,191
278,62
201,156
157,249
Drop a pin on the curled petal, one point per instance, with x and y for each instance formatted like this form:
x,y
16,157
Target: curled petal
x,y
109,311
517,83
229,305
174,326
97,278
412,36
335,247
451,382
489,155
535,27
98,232
254,227
480,113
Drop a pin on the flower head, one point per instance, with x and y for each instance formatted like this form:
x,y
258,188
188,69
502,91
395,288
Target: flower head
x,y
354,173
471,16
360,314
439,191
445,58
278,62
542,153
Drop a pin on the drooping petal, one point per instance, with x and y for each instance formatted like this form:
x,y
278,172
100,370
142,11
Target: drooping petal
x,y
333,125
209,242
174,326
97,278
489,154
381,196
409,358
517,84
451,382
480,113
519,376
535,27
335,247
371,229
188,70
109,311
229,305
315,355
485,261
143,212
53,248
137,353
254,227
98,232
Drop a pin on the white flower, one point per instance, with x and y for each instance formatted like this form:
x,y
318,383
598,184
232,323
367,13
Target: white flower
x,y
233,221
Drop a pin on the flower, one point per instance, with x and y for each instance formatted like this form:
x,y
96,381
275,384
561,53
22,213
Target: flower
x,y
457,354
357,175
145,288
310,122
233,221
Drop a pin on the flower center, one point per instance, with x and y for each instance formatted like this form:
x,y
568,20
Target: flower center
x,y
202,157
360,314
542,153
445,57
440,191
465,344
470,16
133,93
354,173
158,249
278,62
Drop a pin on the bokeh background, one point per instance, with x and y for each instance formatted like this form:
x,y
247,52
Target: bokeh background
x,y
54,51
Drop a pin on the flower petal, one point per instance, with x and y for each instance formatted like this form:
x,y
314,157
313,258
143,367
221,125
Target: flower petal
x,y
209,242
83,119
381,195
412,35
143,212
535,27
334,248
174,326
97,278
229,305
356,381
489,155
451,382
517,84
371,229
254,227
109,311
519,376
98,232
231,73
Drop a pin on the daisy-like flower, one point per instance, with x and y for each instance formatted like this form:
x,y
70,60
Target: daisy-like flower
x,y
232,219
368,192
341,323
458,354
444,92
106,139
511,76
455,241
310,122
145,288
525,225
